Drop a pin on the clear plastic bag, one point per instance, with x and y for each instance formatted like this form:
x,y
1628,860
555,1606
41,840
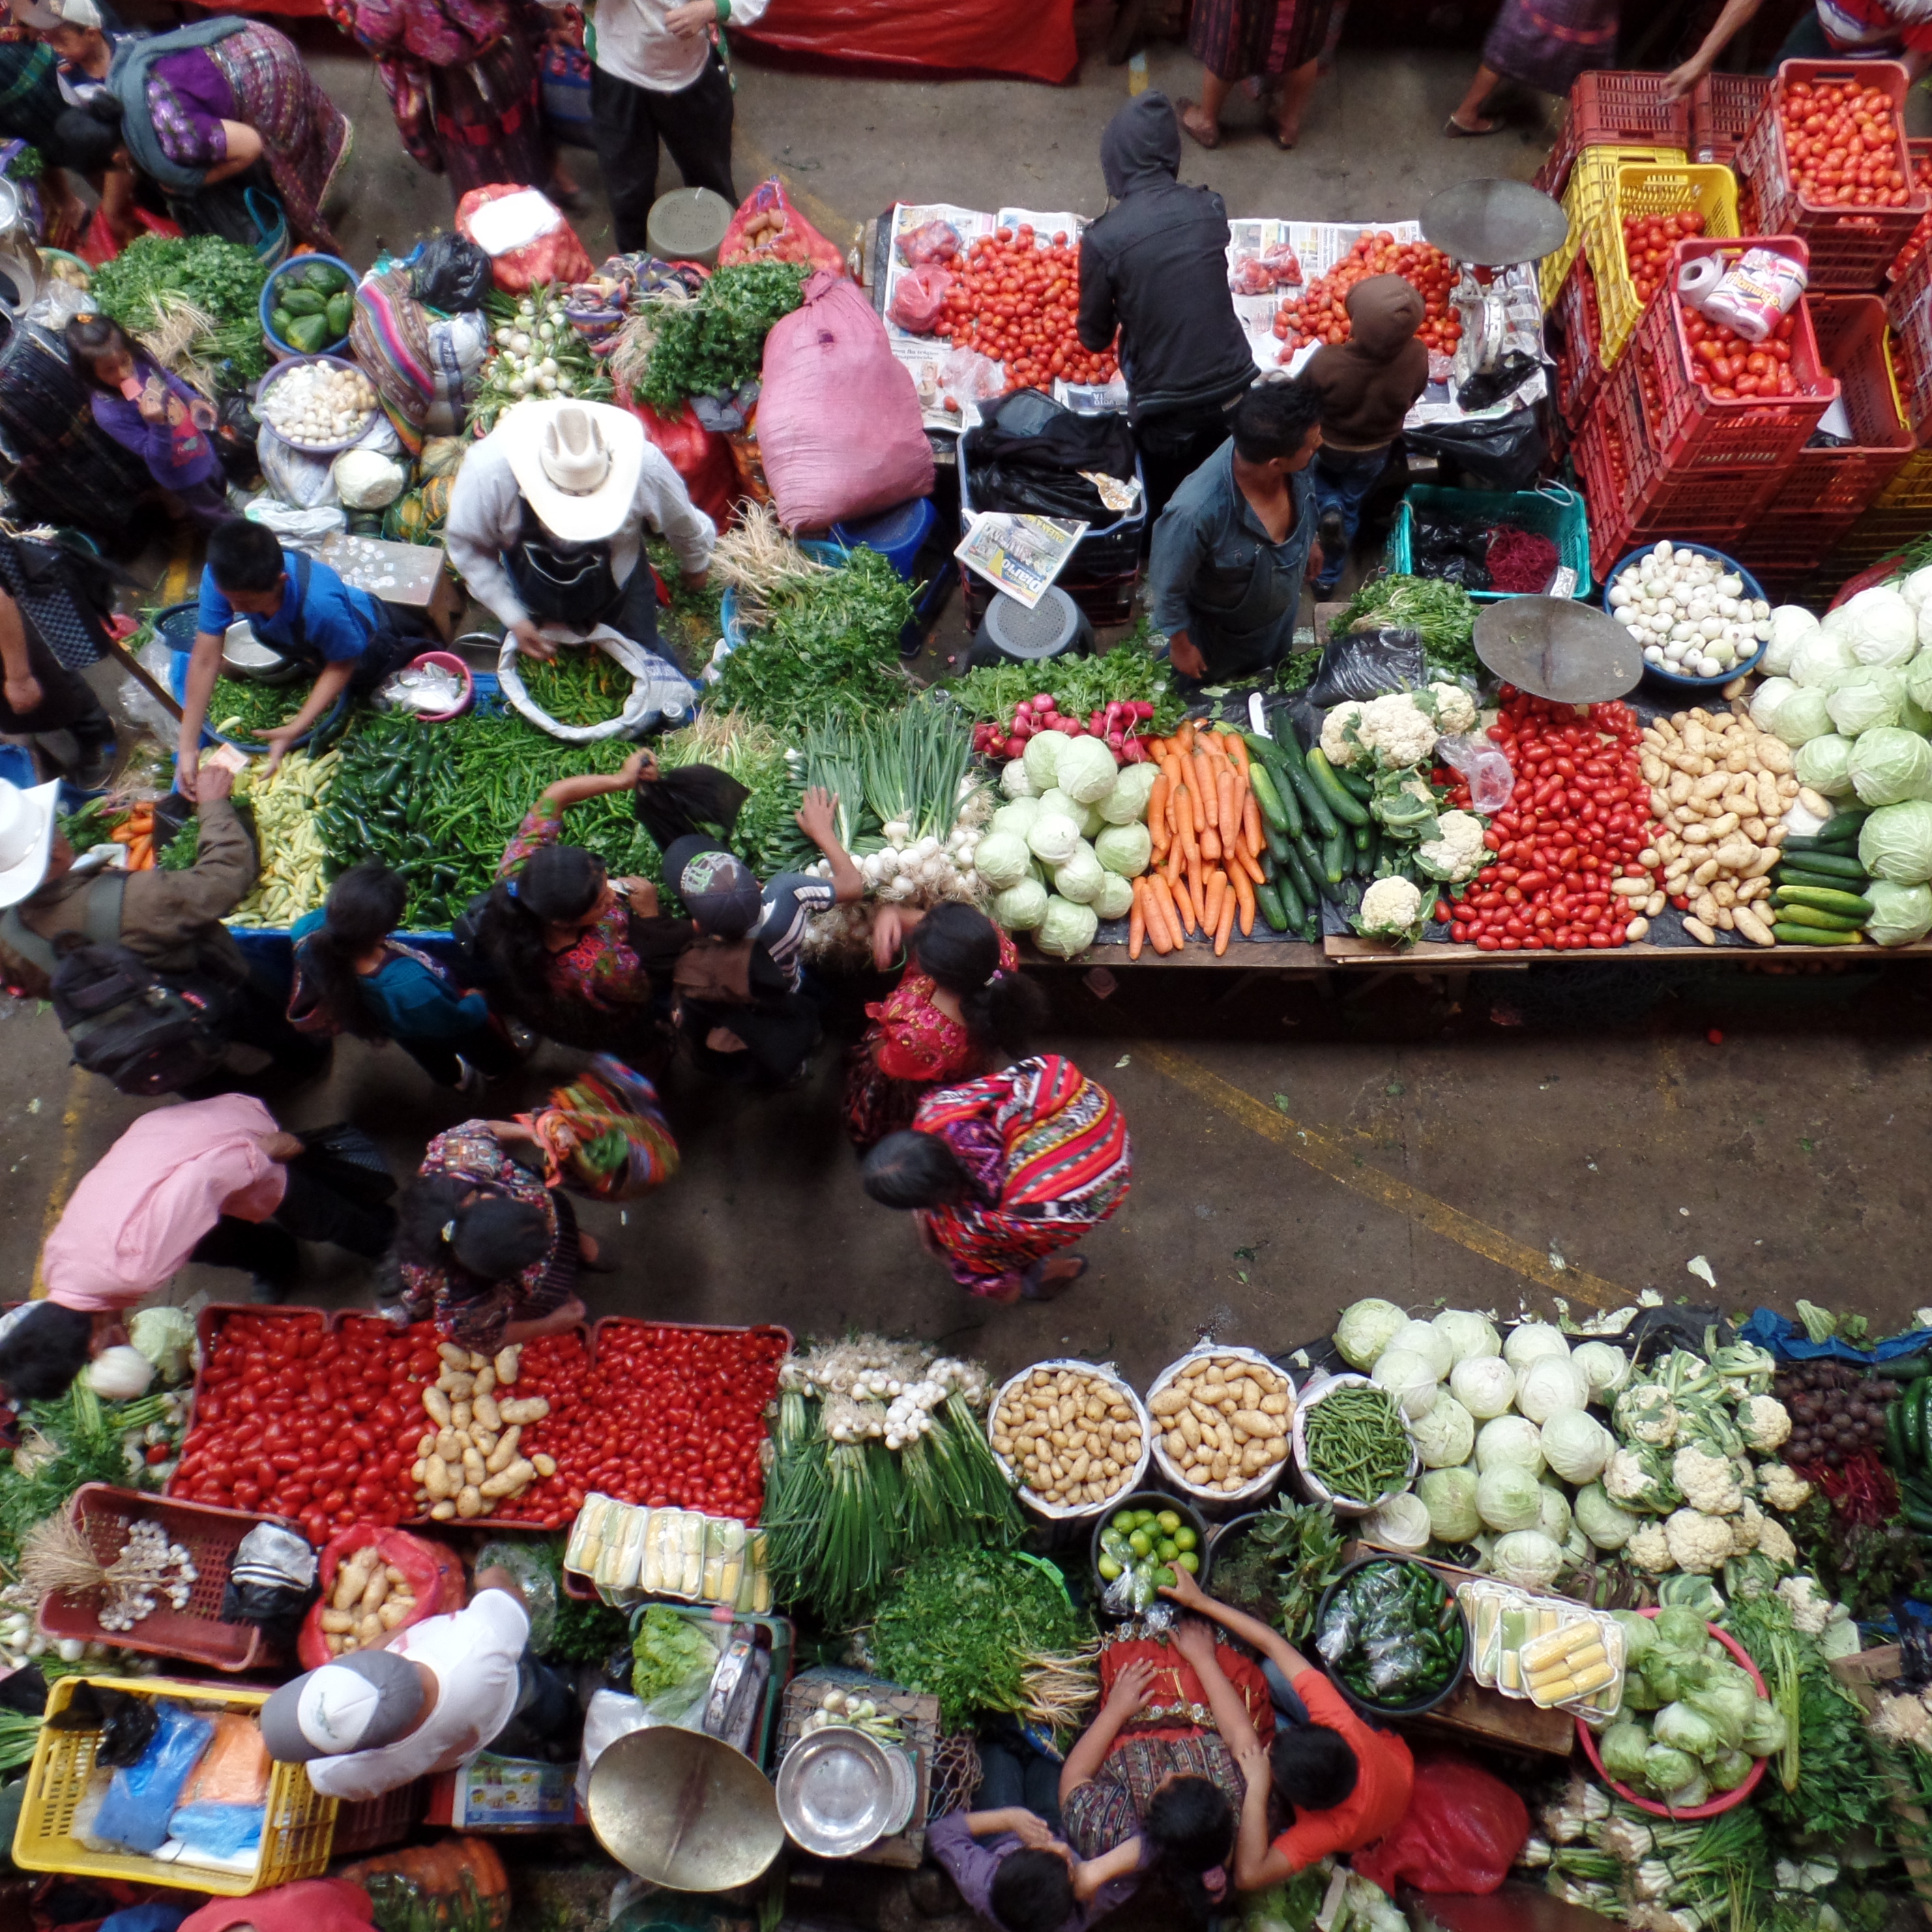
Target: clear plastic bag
x,y
1484,764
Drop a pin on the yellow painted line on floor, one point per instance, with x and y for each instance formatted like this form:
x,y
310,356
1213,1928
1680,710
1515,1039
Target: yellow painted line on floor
x,y
180,573
1331,1154
71,1116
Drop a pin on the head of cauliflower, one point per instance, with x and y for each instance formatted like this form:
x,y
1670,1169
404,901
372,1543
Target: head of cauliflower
x,y
1391,909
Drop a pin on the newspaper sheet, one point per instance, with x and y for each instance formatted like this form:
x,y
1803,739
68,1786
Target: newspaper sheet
x,y
1019,555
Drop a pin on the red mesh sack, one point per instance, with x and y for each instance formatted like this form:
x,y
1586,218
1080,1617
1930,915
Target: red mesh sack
x,y
920,300
435,1573
1462,1832
767,228
527,243
701,457
839,426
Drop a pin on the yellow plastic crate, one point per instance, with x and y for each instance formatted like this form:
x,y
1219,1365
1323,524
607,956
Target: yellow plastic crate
x,y
295,1842
1644,189
1592,184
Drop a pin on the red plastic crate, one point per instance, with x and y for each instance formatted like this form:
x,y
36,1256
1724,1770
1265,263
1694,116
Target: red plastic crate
x,y
375,1824
1579,370
1850,248
1617,108
1780,547
1722,106
211,1536
1909,305
1836,484
1920,152
1687,428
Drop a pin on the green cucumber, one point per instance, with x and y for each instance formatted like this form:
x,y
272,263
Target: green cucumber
x,y
1831,882
1820,842
1353,782
1847,905
1806,915
1894,1429
1275,843
1833,862
1364,836
1297,871
1266,797
1915,1422
1341,801
1336,853
1272,904
1905,1368
1788,934
1323,821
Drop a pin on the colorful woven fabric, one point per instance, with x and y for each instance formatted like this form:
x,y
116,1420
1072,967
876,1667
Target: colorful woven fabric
x,y
602,969
1548,44
305,135
603,1134
1050,1156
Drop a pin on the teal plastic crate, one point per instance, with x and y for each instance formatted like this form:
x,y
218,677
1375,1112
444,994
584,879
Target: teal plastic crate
x,y
1557,513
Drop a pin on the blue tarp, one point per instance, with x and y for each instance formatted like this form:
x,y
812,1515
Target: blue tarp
x,y
1787,1339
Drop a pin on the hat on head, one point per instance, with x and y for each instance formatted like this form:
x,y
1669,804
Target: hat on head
x,y
26,838
42,14
719,891
360,1702
577,464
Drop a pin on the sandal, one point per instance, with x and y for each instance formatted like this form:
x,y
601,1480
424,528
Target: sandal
x,y
1285,143
1038,1286
1454,129
1212,139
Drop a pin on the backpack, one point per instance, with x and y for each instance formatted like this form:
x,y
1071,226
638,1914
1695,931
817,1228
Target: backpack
x,y
147,1033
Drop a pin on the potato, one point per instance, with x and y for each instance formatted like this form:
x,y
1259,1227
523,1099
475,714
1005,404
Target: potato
x,y
483,1440
507,1482
427,1446
352,1578
442,1512
459,1415
484,1409
456,1357
1169,1402
339,1621
486,1381
530,1408
504,1453
391,1614
459,1382
474,1468
436,1479
546,1465
506,1366
469,1501
369,1630
437,1404
376,1594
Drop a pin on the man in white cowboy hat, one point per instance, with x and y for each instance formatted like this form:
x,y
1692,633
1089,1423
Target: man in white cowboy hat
x,y
546,520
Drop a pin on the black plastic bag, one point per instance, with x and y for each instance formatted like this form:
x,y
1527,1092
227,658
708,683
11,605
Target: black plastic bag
x,y
271,1583
1362,664
450,273
1656,1331
1506,451
126,1724
1451,553
689,798
1491,385
1028,456
345,1159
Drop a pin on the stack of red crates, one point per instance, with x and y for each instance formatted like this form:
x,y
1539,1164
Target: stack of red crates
x,y
1722,106
1579,368
1661,457
1614,109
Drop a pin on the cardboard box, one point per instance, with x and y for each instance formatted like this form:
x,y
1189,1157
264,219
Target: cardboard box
x,y
505,1794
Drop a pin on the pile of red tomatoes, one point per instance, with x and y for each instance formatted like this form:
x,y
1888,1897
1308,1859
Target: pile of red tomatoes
x,y
1844,145
1578,818
1320,313
1015,298
1730,369
1648,241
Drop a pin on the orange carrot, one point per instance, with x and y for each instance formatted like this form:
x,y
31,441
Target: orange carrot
x,y
1137,920
1197,891
1158,828
1160,900
1251,824
1238,750
1185,910
1183,813
1210,844
1217,885
1184,738
1204,776
1224,931
1227,817
1244,895
1248,864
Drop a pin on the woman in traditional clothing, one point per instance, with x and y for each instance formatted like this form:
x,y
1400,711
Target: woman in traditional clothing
x,y
1158,1762
202,104
463,79
1006,1170
960,996
1540,44
1236,41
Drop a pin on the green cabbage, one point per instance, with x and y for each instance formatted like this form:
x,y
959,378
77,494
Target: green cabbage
x,y
1552,1515
1608,1525
1364,1329
1450,1497
1766,1731
1895,843
1484,1384
1863,698
1684,1729
1605,1366
1639,1633
1769,696
1666,1769
1468,1335
1115,898
1510,1442
1426,1340
1020,908
1078,876
1042,757
1727,1707
1729,1769
1016,816
1900,914
1623,1747
1550,1384
1530,1341
1682,1629
1576,1445
1889,765
1819,655
1918,680
1053,837
1125,849
1014,781
1067,930
1085,770
1509,1498
1127,802
1802,716
1446,1435
165,1337
1527,1558
1824,764
1001,859
1409,1378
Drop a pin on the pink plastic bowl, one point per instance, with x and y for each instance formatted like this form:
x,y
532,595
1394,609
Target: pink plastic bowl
x,y
448,661
1730,1799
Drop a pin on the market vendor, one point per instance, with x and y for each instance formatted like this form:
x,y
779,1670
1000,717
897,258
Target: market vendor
x,y
547,521
215,1181
436,1693
1368,385
304,612
1155,268
1232,549
1832,30
1014,1869
1347,1783
1157,1765
39,694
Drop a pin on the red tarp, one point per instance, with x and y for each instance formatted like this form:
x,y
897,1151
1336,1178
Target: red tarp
x,y
1021,37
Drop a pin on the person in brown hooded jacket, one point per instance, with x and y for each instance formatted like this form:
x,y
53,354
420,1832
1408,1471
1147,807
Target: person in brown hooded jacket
x,y
1367,385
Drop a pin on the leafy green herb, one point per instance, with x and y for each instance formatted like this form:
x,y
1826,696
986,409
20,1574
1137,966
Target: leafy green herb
x,y
830,647
960,1625
1079,685
179,854
1865,1565
88,827
244,708
713,344
29,164
155,274
1303,1550
670,1651
1443,615
19,1732
65,1444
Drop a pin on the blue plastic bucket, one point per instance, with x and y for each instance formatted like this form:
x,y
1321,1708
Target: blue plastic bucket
x,y
896,534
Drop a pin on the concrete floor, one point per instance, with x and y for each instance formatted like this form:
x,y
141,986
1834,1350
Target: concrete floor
x,y
1294,1149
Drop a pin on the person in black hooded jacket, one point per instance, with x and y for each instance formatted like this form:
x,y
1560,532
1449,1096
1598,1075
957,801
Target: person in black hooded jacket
x,y
1156,267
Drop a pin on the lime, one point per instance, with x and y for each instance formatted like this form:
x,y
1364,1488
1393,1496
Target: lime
x,y
1166,1550
1140,1543
1142,1518
1189,1561
1125,1521
1167,1577
1169,1520
1109,1568
1184,1538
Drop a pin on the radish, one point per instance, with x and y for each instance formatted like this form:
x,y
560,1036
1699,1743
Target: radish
x,y
1045,701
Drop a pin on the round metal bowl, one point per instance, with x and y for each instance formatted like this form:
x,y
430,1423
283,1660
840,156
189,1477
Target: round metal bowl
x,y
244,654
1676,680
836,1792
1156,1500
684,1810
1417,1706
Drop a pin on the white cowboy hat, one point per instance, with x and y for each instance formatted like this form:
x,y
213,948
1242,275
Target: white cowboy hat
x,y
577,464
26,838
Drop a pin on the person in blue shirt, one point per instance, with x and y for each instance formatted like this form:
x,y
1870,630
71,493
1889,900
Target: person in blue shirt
x,y
353,976
300,609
